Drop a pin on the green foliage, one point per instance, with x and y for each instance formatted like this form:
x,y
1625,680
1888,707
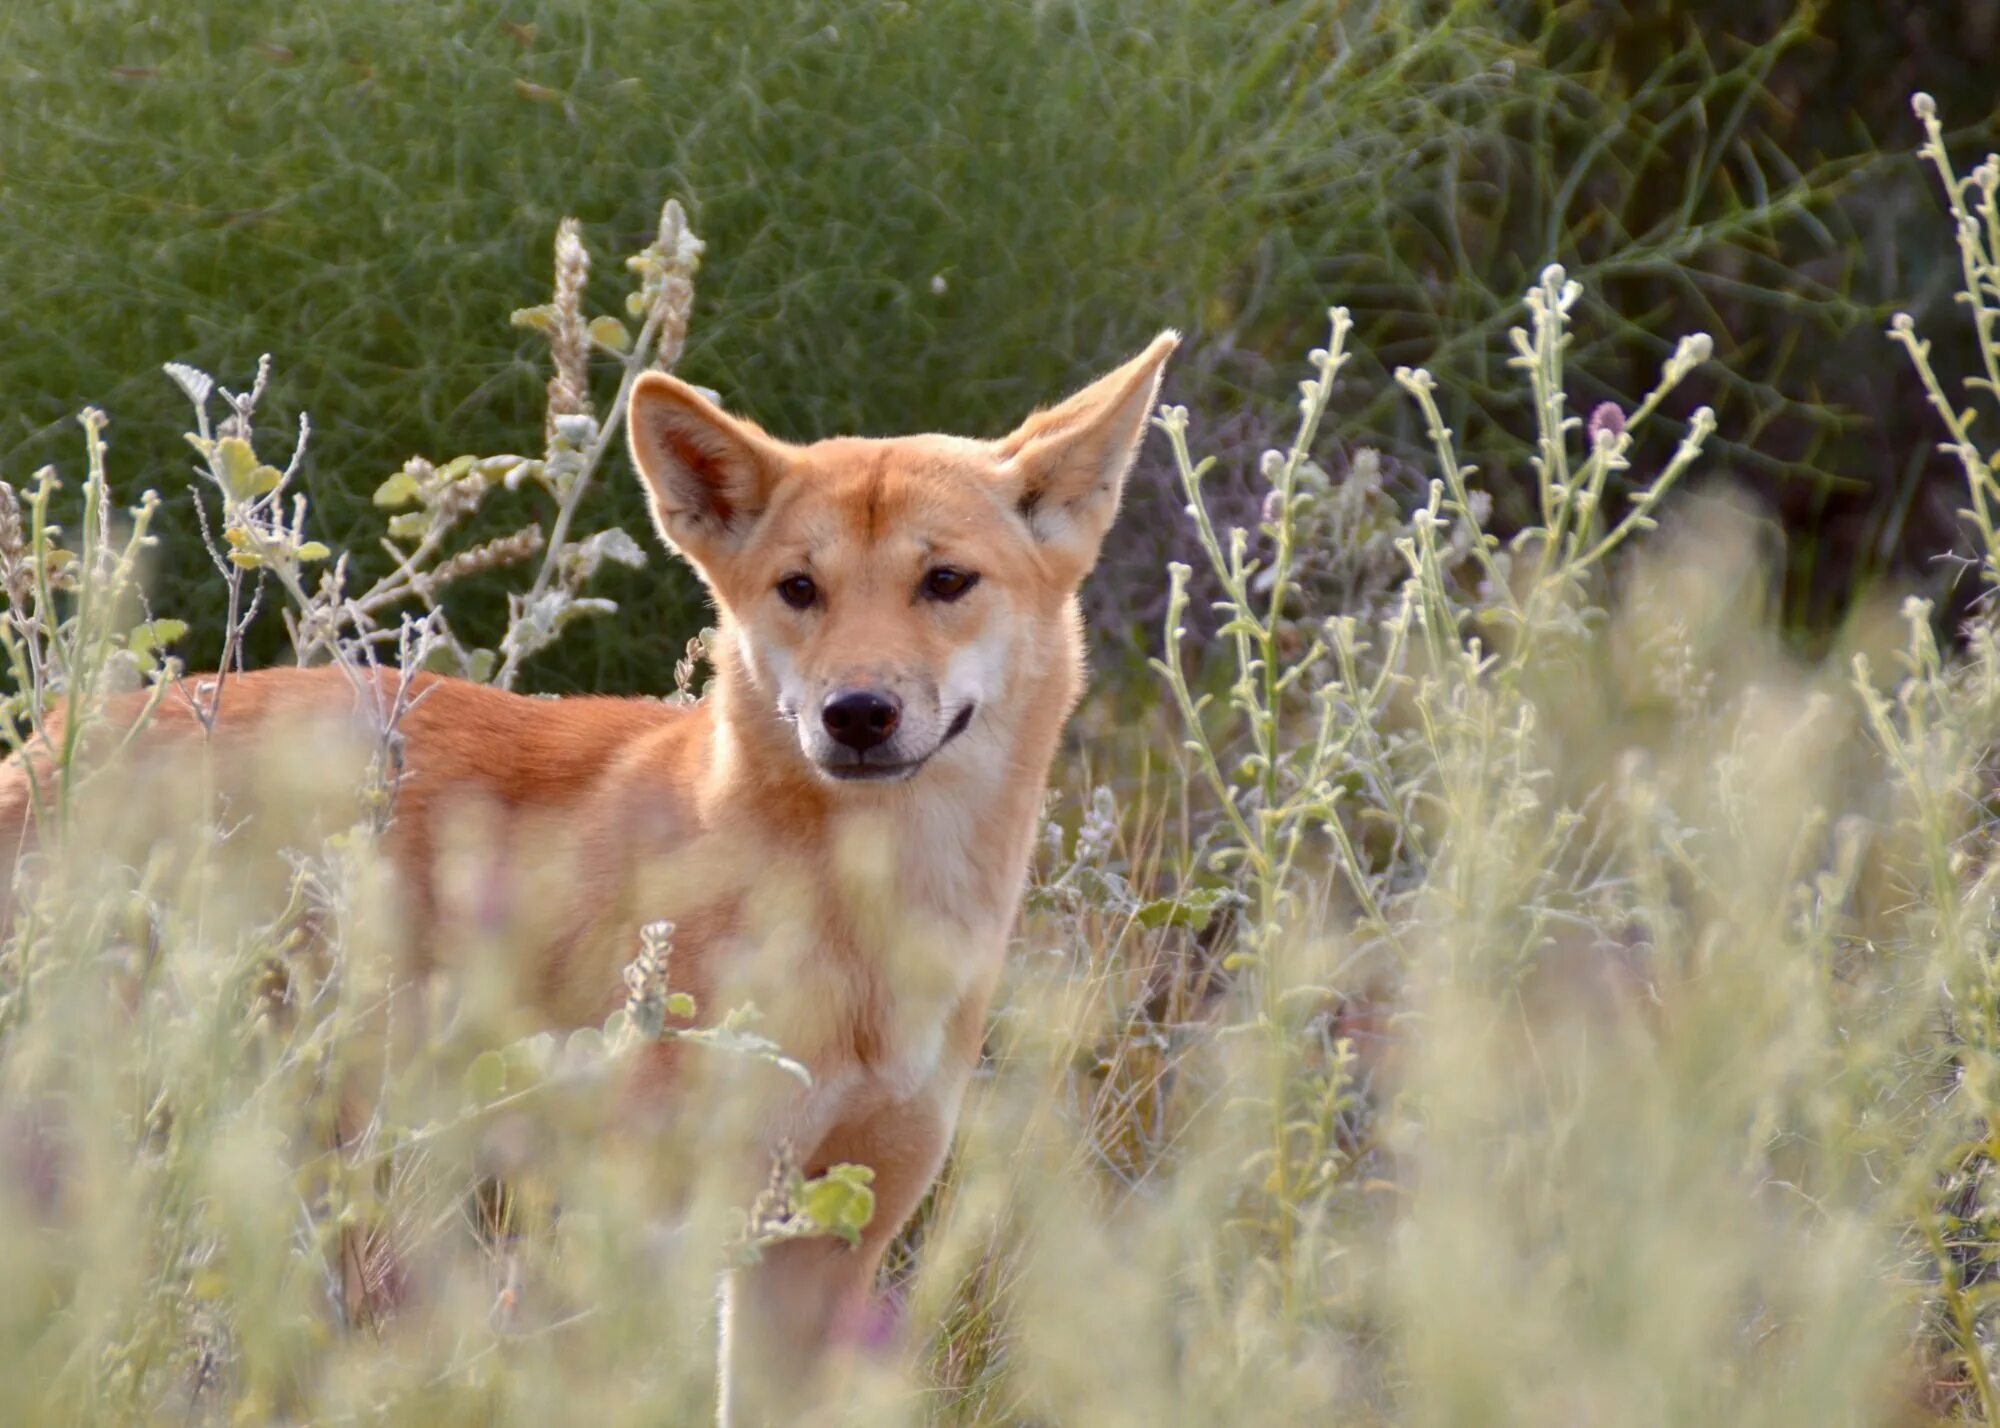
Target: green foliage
x,y
376,180
367,187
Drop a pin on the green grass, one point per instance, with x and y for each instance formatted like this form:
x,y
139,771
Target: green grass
x,y
921,216
927,215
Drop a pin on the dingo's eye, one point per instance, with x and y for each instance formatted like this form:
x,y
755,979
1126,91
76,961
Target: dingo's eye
x,y
798,591
947,584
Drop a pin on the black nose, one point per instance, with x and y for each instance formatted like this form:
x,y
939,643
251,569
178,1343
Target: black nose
x,y
860,718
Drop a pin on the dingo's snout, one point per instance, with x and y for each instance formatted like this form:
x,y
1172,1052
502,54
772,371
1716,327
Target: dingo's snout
x,y
860,719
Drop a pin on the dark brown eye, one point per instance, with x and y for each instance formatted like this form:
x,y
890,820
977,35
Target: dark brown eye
x,y
798,591
948,584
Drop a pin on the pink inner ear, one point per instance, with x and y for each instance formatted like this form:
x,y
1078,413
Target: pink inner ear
x,y
1077,453
704,461
706,464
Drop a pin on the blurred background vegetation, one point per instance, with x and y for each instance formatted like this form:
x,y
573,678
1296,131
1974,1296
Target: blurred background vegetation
x,y
936,215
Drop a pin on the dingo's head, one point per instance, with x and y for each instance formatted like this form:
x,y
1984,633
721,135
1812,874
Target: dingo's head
x,y
902,600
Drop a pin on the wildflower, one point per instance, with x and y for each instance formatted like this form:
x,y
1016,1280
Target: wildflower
x,y
491,555
1099,830
1607,423
569,341
646,996
15,577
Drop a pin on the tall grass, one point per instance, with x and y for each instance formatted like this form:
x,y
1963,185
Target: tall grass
x,y
1519,991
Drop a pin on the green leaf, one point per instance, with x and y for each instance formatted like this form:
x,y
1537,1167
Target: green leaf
x,y
480,664
530,1059
312,550
242,476
584,1047
486,1078
234,462
731,1038
155,635
680,1004
840,1202
541,319
398,490
610,332
1193,909
411,525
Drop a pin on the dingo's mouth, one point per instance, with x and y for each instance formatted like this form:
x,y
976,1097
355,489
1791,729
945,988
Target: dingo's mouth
x,y
860,770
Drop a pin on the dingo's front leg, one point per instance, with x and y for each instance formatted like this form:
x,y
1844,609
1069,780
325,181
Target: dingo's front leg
x,y
797,1312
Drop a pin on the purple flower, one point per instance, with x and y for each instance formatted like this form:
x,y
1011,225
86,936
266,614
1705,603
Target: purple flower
x,y
1608,419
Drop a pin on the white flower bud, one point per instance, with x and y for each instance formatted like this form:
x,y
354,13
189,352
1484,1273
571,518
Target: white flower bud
x,y
576,429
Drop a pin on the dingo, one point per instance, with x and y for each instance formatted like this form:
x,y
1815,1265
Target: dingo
x,y
841,830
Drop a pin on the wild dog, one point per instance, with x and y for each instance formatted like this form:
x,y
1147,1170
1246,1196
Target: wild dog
x,y
840,831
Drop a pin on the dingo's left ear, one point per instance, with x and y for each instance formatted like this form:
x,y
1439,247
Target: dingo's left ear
x,y
708,474
1066,466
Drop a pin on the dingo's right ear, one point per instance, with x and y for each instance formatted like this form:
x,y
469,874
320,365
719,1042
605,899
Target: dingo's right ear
x,y
1066,466
708,474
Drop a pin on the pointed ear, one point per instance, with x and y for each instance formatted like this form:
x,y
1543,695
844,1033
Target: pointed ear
x,y
1066,466
708,475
